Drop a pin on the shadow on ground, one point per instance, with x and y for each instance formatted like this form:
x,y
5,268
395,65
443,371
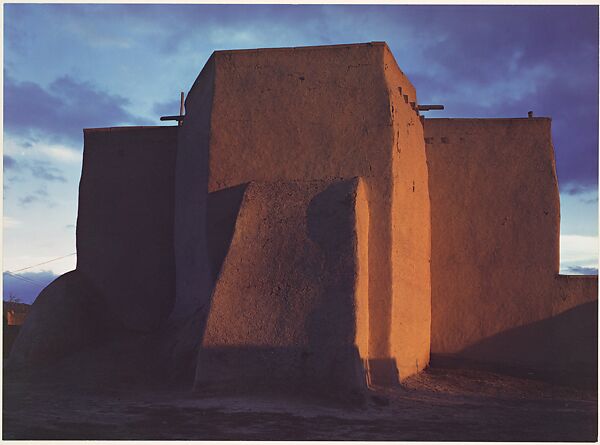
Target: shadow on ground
x,y
439,404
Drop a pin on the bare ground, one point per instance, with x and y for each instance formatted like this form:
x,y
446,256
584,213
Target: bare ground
x,y
439,404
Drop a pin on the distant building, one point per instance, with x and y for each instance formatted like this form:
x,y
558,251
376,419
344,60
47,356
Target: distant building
x,y
15,313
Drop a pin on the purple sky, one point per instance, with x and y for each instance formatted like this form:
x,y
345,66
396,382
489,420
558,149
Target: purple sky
x,y
67,67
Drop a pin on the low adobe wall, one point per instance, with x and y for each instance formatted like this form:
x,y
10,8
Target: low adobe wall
x,y
125,222
496,295
65,318
290,306
562,347
574,290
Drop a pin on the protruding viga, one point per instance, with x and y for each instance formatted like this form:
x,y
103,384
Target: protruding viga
x,y
317,113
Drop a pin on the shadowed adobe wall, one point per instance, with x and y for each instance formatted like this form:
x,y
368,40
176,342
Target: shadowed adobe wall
x,y
192,271
65,318
289,309
222,211
325,113
125,222
192,266
495,242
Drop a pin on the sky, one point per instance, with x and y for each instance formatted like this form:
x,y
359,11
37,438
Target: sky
x,y
69,67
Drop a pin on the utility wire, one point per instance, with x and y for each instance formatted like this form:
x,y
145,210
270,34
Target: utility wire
x,y
45,262
14,273
20,277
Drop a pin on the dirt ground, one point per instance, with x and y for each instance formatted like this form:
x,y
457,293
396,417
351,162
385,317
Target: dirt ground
x,y
439,404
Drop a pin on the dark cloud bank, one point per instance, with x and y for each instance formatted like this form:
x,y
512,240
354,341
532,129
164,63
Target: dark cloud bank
x,y
508,45
42,170
580,270
9,162
480,61
60,111
39,169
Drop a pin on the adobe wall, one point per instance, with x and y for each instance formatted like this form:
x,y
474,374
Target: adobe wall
x,y
411,229
562,346
496,295
63,319
573,291
191,189
448,241
125,222
289,309
223,207
324,113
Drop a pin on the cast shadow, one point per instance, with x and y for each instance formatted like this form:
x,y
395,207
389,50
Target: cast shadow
x,y
561,349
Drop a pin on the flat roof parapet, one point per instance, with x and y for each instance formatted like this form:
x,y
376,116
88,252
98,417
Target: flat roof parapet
x,y
130,128
300,48
489,119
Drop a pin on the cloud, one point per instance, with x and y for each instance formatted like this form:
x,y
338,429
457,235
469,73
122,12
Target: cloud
x,y
39,195
26,285
9,162
28,199
509,60
480,61
60,111
10,223
578,251
166,108
41,162
29,169
46,171
590,200
580,270
61,153
575,189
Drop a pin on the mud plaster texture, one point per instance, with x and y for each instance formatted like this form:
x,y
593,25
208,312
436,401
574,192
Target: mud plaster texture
x,y
289,306
496,292
125,222
332,112
477,198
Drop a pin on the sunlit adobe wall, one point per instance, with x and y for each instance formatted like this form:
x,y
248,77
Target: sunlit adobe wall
x,y
289,308
317,113
496,295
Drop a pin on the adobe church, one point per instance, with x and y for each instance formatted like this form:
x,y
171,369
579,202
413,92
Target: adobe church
x,y
306,227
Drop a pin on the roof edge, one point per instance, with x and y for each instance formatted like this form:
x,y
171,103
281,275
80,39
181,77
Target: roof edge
x,y
127,128
488,119
299,48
